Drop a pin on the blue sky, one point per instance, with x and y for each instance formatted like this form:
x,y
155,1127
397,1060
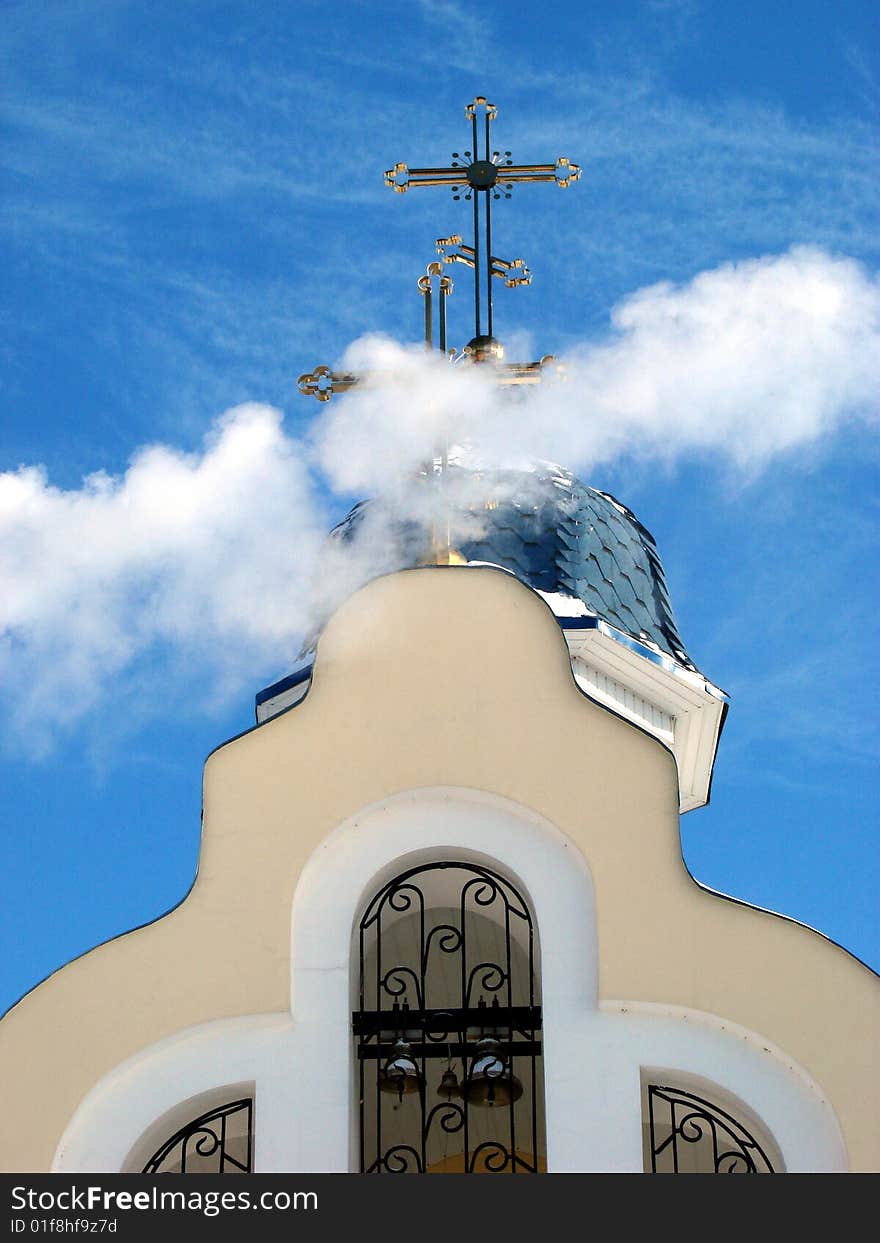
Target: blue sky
x,y
193,214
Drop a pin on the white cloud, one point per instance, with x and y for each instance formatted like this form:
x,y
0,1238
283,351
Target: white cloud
x,y
206,553
746,361
213,554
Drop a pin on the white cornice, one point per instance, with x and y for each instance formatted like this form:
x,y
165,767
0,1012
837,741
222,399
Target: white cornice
x,y
677,705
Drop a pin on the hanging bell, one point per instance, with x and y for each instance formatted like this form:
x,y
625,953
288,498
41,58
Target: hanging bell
x,y
490,1081
449,1085
400,1073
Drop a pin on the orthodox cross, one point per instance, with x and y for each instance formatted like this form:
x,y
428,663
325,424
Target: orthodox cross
x,y
479,177
322,383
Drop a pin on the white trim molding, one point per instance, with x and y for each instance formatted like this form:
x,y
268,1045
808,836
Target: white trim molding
x,y
680,708
302,1063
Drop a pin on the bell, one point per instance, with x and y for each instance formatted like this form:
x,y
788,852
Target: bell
x,y
400,1073
490,1081
449,1086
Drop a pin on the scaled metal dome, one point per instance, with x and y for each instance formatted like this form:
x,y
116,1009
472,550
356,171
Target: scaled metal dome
x,y
580,548
587,555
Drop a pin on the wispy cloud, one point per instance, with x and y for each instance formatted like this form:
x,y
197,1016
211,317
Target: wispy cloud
x,y
865,76
463,26
137,173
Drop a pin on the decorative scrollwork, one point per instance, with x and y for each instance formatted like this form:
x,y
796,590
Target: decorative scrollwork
x,y
730,1163
448,941
489,977
396,983
401,897
224,1134
725,1146
207,1143
451,1118
694,1127
401,1159
461,990
482,889
495,1158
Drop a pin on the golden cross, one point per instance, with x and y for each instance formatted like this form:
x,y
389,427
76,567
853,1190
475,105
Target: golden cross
x,y
323,383
482,177
485,176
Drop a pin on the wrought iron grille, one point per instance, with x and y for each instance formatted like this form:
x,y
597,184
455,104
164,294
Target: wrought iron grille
x,y
448,1029
687,1130
218,1142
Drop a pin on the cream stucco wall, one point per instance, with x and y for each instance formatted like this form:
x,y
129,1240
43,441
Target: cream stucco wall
x,y
439,677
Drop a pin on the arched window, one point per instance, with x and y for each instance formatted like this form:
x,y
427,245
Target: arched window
x,y
210,1134
694,1127
448,1026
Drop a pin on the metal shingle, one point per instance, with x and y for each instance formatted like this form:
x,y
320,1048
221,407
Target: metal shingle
x,y
558,536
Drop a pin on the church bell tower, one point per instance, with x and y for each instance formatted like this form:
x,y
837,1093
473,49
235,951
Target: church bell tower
x,y
441,922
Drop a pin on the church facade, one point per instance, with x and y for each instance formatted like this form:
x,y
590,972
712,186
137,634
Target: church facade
x,y
640,1018
441,921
